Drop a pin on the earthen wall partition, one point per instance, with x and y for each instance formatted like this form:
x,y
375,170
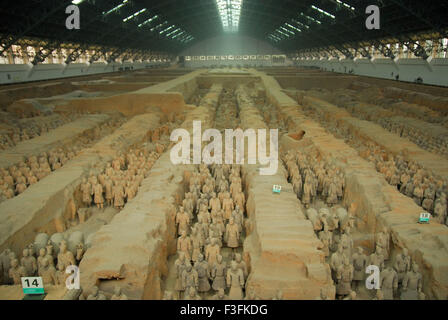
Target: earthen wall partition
x,y
167,96
377,203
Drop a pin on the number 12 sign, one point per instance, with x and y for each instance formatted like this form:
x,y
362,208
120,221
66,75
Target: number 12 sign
x,y
32,285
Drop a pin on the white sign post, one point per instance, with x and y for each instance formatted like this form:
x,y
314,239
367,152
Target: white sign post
x,y
32,285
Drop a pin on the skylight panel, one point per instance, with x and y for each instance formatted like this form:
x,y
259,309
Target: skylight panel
x,y
292,27
285,34
323,11
229,11
167,29
116,8
159,26
310,18
287,30
134,15
148,21
301,24
274,37
179,34
173,32
346,5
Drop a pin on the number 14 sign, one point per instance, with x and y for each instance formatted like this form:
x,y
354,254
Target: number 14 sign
x,y
32,285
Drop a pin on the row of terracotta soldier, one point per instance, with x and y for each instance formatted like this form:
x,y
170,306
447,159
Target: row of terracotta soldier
x,y
31,128
312,177
48,263
423,186
17,178
206,222
120,179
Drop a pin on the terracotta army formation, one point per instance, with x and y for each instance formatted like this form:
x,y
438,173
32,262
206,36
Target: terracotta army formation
x,y
312,179
30,128
320,184
121,178
17,178
48,259
425,187
210,223
398,117
426,140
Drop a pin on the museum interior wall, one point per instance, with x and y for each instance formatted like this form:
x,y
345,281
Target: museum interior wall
x,y
432,71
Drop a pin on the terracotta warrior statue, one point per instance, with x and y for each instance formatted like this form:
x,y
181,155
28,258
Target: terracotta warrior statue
x,y
402,264
61,276
412,284
219,274
344,276
168,295
191,294
235,281
181,264
182,221
96,294
118,194
108,191
220,295
359,266
212,251
29,263
251,295
377,258
228,206
190,279
232,235
98,195
196,242
184,245
215,204
86,190
41,258
241,265
16,272
48,273
118,295
65,257
202,268
389,283
337,260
